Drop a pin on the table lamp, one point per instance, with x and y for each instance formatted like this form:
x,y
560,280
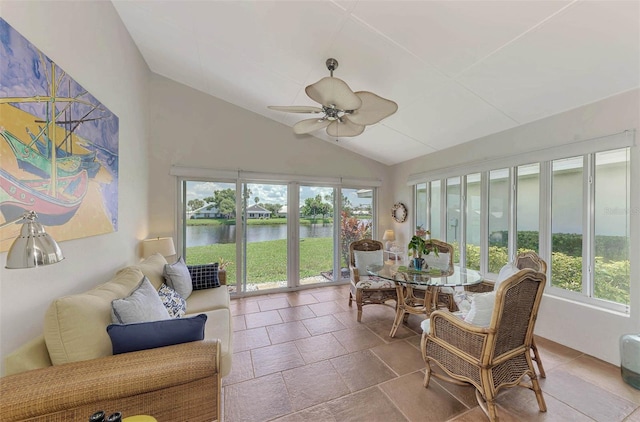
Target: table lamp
x,y
390,237
33,247
162,245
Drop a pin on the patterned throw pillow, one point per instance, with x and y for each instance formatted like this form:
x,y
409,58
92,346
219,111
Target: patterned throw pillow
x,y
204,276
175,304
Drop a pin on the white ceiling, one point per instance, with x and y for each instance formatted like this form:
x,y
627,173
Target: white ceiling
x,y
458,70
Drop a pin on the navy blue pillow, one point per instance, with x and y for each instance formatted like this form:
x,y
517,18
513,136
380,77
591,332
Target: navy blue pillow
x,y
204,276
149,335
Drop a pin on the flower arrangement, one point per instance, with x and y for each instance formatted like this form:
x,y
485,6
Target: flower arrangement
x,y
419,245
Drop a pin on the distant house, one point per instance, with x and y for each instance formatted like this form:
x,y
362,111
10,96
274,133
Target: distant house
x,y
256,211
208,211
282,212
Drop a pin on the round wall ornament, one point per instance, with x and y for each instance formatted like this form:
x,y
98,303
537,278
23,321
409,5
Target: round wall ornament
x,y
399,212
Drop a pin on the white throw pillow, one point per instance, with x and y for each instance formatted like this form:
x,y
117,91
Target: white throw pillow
x,y
177,277
365,258
426,326
142,305
481,309
505,272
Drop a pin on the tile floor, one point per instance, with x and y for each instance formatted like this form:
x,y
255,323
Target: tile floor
x,y
302,356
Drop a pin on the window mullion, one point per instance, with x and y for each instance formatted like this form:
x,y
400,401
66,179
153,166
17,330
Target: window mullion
x,y
484,225
588,240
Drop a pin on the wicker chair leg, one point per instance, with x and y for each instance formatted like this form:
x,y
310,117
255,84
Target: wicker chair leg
x,y
536,389
488,406
536,357
427,376
396,322
350,298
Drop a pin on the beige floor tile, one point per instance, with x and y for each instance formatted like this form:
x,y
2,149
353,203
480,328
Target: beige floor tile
x,y
288,331
243,306
262,319
400,356
322,325
476,415
276,358
241,369
320,413
604,375
238,323
554,355
354,339
365,405
330,295
590,399
271,304
250,339
422,404
296,313
326,308
414,340
301,299
465,394
382,327
313,384
348,318
634,417
522,402
257,400
321,347
361,370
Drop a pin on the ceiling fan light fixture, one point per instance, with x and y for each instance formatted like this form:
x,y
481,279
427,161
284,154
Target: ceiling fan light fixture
x,y
346,113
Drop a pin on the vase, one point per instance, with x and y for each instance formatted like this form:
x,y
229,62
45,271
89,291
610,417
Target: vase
x,y
630,359
418,263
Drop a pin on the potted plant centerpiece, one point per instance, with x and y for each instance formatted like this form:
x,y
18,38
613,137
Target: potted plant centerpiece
x,y
418,246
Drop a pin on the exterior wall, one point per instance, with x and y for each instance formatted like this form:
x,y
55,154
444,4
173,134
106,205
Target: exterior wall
x,y
564,321
89,41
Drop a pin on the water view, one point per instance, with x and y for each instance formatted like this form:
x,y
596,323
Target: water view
x,y
208,235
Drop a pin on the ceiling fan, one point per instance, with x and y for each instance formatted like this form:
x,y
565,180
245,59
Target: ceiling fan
x,y
344,112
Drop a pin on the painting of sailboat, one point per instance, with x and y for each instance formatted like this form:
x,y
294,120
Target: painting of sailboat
x,y
58,146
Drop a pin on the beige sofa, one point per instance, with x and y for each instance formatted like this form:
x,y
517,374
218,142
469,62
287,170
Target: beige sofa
x,y
69,372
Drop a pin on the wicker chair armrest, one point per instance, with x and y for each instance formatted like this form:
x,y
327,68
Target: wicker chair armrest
x,y
482,287
73,385
460,336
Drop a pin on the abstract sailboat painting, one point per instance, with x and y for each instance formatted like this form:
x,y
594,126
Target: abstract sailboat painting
x,y
58,147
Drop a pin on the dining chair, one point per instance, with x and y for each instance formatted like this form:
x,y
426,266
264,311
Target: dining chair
x,y
421,300
527,259
491,357
365,289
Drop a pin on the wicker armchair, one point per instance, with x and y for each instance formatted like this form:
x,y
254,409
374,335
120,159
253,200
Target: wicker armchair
x,y
494,357
361,291
527,259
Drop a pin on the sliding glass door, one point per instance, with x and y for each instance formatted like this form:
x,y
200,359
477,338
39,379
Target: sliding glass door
x,y
316,234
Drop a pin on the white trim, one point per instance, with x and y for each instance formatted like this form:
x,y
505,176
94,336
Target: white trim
x,y
613,141
195,172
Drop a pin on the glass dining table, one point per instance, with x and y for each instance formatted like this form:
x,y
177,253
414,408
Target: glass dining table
x,y
418,290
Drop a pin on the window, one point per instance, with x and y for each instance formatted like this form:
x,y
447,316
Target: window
x,y
473,220
498,219
271,231
575,212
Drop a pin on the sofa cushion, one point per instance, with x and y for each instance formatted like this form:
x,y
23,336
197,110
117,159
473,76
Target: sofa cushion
x,y
175,304
153,268
75,326
178,277
207,300
149,335
141,305
219,326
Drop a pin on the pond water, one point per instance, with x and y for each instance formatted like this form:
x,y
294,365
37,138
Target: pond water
x,y
207,235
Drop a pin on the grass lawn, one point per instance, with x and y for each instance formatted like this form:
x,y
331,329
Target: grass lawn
x,y
267,261
253,221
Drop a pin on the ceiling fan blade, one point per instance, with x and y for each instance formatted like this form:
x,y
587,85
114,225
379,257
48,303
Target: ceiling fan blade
x,y
310,125
374,108
329,90
297,109
345,128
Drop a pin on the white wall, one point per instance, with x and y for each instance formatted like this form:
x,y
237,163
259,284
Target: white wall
x,y
89,41
593,331
192,129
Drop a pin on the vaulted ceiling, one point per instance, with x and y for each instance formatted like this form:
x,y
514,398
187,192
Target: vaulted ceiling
x,y
459,70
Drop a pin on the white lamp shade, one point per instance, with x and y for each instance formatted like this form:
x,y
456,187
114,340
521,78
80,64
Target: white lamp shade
x,y
162,245
389,235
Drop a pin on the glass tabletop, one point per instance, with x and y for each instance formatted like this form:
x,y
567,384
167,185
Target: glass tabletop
x,y
452,276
